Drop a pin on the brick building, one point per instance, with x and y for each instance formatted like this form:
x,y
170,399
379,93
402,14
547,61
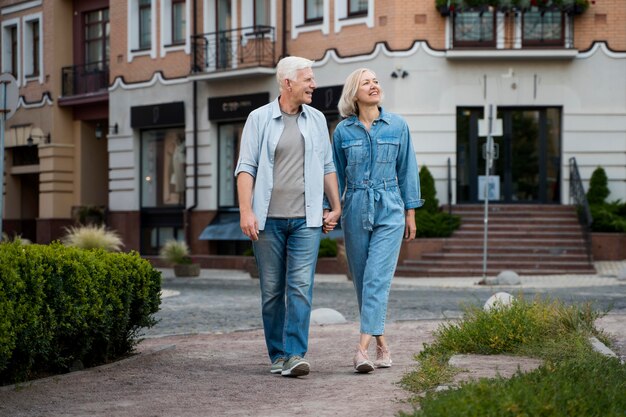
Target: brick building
x,y
156,143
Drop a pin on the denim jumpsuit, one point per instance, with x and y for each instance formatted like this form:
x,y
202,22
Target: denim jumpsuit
x,y
378,181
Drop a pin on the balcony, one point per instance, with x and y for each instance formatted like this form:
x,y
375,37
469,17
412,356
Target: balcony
x,y
489,33
235,53
84,83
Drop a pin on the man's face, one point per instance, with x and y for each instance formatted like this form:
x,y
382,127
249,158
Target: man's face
x,y
302,87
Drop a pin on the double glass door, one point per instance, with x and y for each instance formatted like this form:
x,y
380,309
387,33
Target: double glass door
x,y
527,168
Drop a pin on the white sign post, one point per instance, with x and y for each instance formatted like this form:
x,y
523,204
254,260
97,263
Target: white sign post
x,y
8,104
490,128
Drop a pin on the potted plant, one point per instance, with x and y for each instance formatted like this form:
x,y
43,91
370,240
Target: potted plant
x,y
176,253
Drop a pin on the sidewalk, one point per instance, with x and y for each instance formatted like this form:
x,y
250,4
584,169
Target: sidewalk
x,y
228,374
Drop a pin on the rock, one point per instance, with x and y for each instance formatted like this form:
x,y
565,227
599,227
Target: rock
x,y
621,275
327,316
498,299
505,277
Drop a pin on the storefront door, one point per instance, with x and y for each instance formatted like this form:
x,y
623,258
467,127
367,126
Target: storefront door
x,y
527,168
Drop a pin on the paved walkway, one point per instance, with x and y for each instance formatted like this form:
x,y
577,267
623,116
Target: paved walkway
x,y
227,374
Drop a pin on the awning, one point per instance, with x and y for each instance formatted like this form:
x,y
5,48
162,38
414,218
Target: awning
x,y
225,226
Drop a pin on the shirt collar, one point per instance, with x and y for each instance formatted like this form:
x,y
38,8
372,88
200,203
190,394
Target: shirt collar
x,y
382,116
276,113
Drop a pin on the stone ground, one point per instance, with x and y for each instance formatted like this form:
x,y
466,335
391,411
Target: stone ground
x,y
228,375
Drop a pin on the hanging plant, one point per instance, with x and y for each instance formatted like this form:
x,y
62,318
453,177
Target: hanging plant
x,y
445,7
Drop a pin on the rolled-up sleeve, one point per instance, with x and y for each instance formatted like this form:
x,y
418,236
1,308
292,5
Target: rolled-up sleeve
x,y
249,151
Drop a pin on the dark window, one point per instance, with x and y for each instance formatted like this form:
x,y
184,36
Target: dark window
x,y
357,7
474,28
543,28
313,11
97,39
262,9
34,28
13,37
163,167
145,24
179,22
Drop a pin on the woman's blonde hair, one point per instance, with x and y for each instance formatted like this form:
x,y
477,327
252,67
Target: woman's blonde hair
x,y
347,102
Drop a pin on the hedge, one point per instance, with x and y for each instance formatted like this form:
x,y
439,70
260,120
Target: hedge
x,y
59,305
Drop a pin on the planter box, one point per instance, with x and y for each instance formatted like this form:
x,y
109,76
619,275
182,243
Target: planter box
x,y
608,246
415,248
187,270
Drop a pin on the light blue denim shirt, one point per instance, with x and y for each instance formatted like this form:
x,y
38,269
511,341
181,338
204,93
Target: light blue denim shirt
x,y
256,157
377,159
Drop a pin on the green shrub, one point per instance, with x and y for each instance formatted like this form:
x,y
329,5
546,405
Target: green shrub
x,y
175,252
540,328
598,187
594,387
430,220
92,237
609,217
62,304
428,191
328,248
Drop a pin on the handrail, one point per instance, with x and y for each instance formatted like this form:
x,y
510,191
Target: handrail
x,y
234,49
85,79
449,187
577,193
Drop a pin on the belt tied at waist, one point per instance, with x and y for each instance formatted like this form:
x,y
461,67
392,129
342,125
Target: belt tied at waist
x,y
373,195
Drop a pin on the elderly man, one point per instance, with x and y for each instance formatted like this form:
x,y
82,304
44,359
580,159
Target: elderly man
x,y
285,179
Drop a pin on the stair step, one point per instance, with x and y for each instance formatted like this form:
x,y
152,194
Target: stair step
x,y
528,239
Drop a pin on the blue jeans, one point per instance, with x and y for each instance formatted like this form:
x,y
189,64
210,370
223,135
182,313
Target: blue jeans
x,y
286,255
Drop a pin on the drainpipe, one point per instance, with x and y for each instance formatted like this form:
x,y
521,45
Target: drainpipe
x,y
195,134
284,51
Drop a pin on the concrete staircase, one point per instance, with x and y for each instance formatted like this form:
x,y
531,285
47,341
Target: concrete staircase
x,y
527,239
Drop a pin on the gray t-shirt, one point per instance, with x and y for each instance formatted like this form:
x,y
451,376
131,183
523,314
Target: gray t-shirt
x,y
287,200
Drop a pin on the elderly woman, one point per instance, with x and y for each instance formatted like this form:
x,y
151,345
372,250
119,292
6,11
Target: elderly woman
x,y
379,185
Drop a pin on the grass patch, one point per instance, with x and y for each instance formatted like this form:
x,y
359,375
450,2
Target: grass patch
x,y
574,380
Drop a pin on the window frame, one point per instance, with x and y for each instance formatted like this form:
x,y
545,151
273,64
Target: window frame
x,y
538,43
133,32
314,19
175,23
32,47
356,13
475,43
103,40
11,48
142,7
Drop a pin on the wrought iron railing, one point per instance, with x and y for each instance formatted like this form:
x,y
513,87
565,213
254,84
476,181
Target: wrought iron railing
x,y
577,193
85,79
239,48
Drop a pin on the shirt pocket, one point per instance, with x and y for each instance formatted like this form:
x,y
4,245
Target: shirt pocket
x,y
353,150
387,149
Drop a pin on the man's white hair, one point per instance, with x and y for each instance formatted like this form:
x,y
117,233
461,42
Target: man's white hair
x,y
287,68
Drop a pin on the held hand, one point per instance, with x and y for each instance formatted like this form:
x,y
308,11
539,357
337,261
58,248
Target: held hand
x,y
249,225
330,218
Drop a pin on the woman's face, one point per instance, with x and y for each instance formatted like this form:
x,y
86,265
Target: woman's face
x,y
369,91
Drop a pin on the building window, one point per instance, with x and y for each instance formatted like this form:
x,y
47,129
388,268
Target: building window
x,y
313,11
357,7
179,21
474,28
262,10
97,30
353,13
229,138
32,48
163,168
145,24
542,28
10,50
